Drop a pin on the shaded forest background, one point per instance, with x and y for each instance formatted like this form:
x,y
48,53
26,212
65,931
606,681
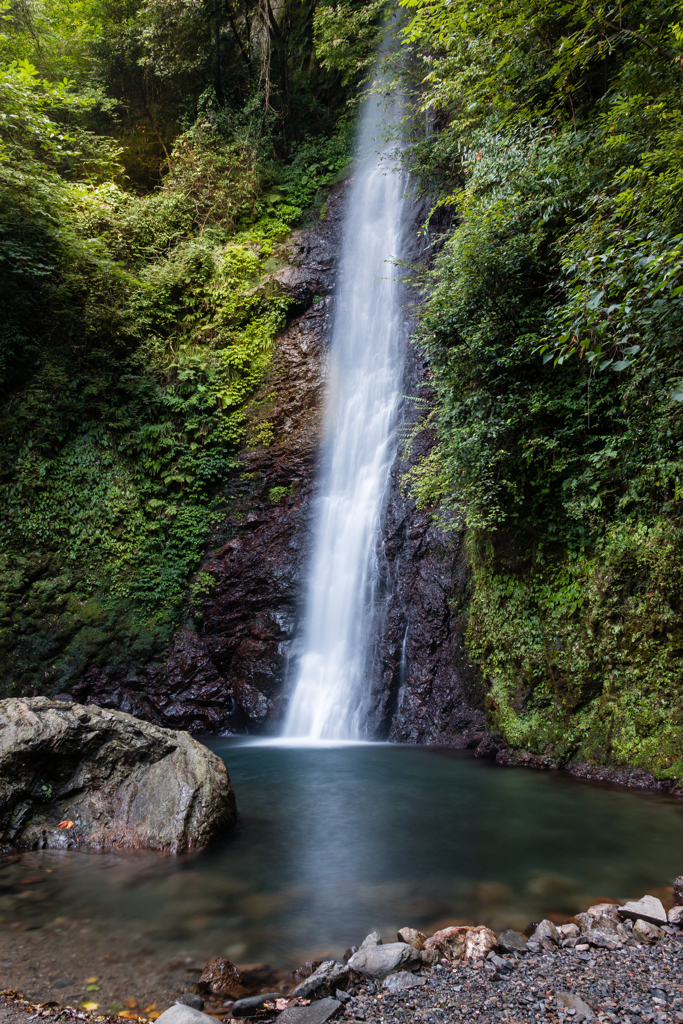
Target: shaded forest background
x,y
155,155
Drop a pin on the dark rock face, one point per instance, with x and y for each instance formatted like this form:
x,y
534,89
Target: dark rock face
x,y
427,690
75,776
227,671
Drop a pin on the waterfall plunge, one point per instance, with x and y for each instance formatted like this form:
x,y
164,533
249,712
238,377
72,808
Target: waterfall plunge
x,y
367,360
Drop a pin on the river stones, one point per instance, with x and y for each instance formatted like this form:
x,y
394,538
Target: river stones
x,y
316,1013
645,931
479,942
675,916
678,890
75,776
449,942
412,937
220,976
512,942
250,1006
325,980
373,939
649,908
381,961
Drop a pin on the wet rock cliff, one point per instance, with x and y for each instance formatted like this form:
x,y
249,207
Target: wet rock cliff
x,y
229,667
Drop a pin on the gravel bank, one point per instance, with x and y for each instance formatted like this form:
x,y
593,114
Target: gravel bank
x,y
632,984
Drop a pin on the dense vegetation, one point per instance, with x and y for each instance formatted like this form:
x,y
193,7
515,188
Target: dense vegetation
x,y
152,158
554,321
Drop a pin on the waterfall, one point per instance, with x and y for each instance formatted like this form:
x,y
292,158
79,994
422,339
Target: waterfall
x,y
366,370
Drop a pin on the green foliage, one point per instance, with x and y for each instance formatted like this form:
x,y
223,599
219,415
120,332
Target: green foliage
x,y
556,151
346,36
136,325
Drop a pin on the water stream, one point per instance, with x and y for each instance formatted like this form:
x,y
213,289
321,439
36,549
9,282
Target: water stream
x,y
367,360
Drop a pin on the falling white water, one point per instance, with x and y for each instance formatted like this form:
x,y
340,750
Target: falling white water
x,y
367,357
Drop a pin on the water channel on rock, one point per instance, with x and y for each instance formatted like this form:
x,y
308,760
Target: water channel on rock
x,y
336,841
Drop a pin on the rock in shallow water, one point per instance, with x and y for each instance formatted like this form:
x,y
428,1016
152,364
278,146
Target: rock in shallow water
x,y
73,776
380,961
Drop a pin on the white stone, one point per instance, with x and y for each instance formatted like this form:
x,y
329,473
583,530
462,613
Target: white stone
x,y
649,908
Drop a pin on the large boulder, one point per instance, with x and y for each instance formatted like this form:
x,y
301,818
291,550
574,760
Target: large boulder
x,y
77,776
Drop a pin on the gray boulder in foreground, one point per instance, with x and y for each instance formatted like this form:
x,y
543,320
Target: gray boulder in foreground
x,y
381,961
109,780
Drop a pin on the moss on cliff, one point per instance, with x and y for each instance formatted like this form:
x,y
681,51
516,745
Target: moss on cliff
x,y
582,650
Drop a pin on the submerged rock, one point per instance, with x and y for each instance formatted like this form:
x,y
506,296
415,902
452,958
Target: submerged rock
x,y
74,776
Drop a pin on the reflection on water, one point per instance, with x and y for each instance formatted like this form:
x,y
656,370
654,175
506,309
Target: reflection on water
x,y
337,841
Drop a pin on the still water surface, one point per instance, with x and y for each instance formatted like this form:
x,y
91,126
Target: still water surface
x,y
337,841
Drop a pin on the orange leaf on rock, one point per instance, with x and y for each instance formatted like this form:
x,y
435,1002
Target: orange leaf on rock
x,y
66,824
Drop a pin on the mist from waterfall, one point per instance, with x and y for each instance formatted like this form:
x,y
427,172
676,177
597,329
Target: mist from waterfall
x,y
367,354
